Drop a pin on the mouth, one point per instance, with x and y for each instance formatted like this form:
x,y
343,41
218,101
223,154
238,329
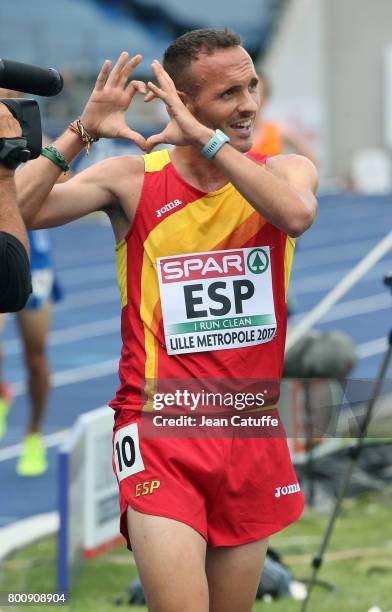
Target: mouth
x,y
242,128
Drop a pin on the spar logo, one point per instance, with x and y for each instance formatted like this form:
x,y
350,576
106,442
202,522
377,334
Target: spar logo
x,y
204,265
257,261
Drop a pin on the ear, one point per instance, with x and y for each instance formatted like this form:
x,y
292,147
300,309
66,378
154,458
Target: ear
x,y
186,99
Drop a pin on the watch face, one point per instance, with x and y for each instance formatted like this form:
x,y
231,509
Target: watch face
x,y
221,136
217,141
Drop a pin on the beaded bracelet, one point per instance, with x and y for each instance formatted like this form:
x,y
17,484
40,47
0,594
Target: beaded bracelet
x,y
78,128
56,157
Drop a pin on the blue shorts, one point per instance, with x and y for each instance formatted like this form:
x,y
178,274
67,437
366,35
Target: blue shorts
x,y
46,288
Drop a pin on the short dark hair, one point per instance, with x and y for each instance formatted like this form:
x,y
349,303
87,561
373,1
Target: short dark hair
x,y
179,56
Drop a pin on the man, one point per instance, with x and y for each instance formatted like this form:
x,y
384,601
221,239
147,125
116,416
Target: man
x,y
15,282
33,326
33,323
199,536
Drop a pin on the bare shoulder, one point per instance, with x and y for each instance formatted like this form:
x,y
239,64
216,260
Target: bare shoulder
x,y
127,174
295,169
114,168
120,177
130,164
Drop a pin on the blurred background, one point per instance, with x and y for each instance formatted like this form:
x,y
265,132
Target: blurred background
x,y
328,62
326,69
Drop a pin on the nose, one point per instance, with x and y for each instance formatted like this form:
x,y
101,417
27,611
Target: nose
x,y
249,102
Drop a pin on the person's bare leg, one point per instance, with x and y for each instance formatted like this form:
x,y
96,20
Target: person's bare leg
x,y
170,558
34,326
233,574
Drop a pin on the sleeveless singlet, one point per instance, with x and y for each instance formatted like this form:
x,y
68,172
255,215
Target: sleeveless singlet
x,y
203,279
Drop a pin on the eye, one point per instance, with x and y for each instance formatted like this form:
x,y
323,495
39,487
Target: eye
x,y
229,92
253,85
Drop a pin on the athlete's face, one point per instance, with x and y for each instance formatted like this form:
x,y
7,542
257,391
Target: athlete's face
x,y
227,94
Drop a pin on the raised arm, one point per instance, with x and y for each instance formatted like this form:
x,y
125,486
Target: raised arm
x,y
43,205
85,193
283,193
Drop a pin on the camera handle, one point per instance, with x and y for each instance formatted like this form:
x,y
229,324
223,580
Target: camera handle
x,y
13,152
26,112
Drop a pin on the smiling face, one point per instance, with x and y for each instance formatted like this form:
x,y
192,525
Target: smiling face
x,y
226,94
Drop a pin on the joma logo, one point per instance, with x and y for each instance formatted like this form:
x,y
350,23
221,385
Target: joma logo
x,y
169,206
287,490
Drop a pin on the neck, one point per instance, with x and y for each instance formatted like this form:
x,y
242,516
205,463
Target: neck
x,y
196,169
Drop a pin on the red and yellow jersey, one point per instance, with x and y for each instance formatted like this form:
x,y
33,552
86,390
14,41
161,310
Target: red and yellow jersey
x,y
203,279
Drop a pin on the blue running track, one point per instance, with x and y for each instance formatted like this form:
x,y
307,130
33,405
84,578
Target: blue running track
x,y
84,343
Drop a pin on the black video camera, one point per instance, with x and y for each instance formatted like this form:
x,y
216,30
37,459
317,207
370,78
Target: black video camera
x,y
15,151
27,79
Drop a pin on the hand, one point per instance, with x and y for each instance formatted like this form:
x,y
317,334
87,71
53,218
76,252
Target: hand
x,y
183,128
9,126
104,113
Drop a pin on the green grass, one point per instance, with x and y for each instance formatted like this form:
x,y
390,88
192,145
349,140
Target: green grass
x,y
358,563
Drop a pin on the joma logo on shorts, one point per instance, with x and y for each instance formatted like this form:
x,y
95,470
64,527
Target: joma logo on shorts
x,y
169,206
292,488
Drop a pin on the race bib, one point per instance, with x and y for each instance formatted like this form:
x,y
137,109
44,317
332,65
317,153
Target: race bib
x,y
126,452
217,300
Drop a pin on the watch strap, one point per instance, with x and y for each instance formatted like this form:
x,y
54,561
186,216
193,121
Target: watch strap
x,y
214,144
